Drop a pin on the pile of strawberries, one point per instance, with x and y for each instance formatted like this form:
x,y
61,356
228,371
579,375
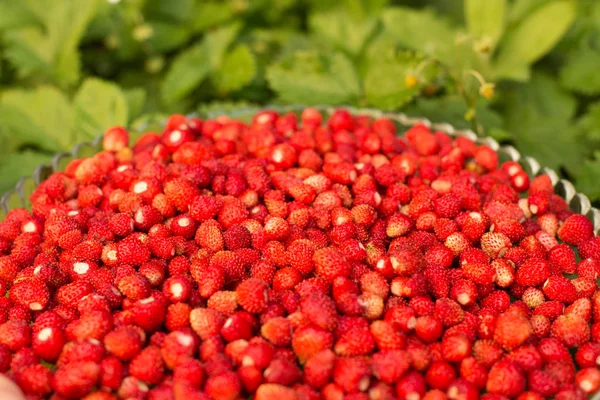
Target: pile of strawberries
x,y
298,260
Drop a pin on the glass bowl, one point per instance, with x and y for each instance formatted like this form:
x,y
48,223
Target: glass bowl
x,y
578,202
18,197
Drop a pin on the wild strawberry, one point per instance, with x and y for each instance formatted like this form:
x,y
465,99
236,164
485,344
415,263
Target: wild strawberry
x,y
411,385
75,380
309,340
505,378
135,286
223,386
428,328
15,334
252,295
440,375
576,229
495,244
511,330
559,288
178,316
147,366
149,313
589,268
178,347
571,329
330,264
30,293
111,373
533,272
34,379
132,251
543,383
132,387
206,322
588,380
482,274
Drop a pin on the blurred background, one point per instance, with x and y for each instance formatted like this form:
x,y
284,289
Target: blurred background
x,y
525,72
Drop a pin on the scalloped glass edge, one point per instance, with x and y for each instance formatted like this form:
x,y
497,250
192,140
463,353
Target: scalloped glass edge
x,y
578,202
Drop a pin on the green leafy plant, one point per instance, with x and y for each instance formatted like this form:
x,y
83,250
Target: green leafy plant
x,y
521,71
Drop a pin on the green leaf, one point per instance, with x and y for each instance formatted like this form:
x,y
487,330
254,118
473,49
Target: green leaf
x,y
99,105
42,117
15,14
208,14
217,42
423,31
167,36
384,83
540,114
187,71
520,9
311,78
51,53
587,177
27,49
486,18
579,72
589,123
136,99
16,165
534,36
238,69
193,65
173,10
341,31
364,8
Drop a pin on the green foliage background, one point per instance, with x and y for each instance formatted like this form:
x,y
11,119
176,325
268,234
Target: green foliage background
x,y
70,68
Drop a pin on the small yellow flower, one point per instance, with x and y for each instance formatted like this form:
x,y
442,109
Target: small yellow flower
x,y
411,80
483,45
487,90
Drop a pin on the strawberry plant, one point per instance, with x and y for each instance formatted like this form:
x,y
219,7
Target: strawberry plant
x,y
520,71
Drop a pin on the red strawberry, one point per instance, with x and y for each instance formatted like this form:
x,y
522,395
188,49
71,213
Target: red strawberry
x,y
178,347
223,386
330,264
309,340
34,379
533,272
390,365
319,368
268,391
576,229
252,295
511,330
206,322
30,293
75,380
48,342
15,334
559,288
505,378
571,329
148,365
